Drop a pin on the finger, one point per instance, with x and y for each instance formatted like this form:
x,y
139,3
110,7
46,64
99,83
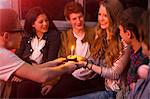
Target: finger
x,y
61,59
12,79
19,80
43,92
47,91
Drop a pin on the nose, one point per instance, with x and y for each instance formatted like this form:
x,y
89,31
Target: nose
x,y
78,20
101,18
45,23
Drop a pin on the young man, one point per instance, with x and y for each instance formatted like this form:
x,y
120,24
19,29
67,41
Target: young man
x,y
81,37
11,65
130,34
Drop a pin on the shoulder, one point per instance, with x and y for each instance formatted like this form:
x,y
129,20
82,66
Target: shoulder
x,y
9,63
52,35
90,29
8,55
66,33
90,33
4,51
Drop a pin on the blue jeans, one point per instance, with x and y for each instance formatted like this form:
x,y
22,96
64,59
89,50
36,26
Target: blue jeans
x,y
98,95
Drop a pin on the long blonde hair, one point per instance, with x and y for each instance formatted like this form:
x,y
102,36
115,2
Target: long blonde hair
x,y
114,49
109,50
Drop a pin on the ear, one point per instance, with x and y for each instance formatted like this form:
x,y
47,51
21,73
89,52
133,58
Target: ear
x,y
128,34
5,35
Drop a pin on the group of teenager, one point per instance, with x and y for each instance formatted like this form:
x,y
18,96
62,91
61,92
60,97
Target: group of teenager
x,y
112,57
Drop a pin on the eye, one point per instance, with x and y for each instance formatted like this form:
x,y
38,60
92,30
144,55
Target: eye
x,y
105,15
46,19
40,21
74,18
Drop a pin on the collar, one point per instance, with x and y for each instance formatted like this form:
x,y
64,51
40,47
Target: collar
x,y
138,51
86,37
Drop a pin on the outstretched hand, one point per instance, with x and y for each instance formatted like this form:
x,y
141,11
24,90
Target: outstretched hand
x,y
58,61
79,58
71,66
81,63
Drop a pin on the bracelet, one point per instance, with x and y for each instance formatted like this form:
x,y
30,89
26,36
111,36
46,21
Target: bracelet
x,y
86,64
89,65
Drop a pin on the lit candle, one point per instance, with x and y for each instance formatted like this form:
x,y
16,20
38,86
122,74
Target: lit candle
x,y
72,50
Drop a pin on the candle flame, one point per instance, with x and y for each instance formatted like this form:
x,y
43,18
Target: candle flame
x,y
72,47
72,50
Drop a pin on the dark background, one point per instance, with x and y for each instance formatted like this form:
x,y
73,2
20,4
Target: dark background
x,y
55,8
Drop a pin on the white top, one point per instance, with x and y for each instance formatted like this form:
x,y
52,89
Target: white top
x,y
37,45
9,63
82,49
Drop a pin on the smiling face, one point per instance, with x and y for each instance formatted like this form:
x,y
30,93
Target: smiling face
x,y
103,18
76,20
41,24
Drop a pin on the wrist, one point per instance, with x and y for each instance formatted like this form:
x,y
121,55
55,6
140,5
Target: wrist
x,y
85,64
88,64
64,68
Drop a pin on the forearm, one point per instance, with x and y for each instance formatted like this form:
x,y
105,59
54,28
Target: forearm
x,y
105,72
40,75
47,64
96,69
113,72
54,72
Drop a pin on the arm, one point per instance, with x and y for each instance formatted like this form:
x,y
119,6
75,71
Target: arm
x,y
118,67
11,64
114,71
42,75
51,63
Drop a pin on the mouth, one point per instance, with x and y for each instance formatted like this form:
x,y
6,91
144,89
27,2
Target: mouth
x,y
79,25
103,24
45,28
